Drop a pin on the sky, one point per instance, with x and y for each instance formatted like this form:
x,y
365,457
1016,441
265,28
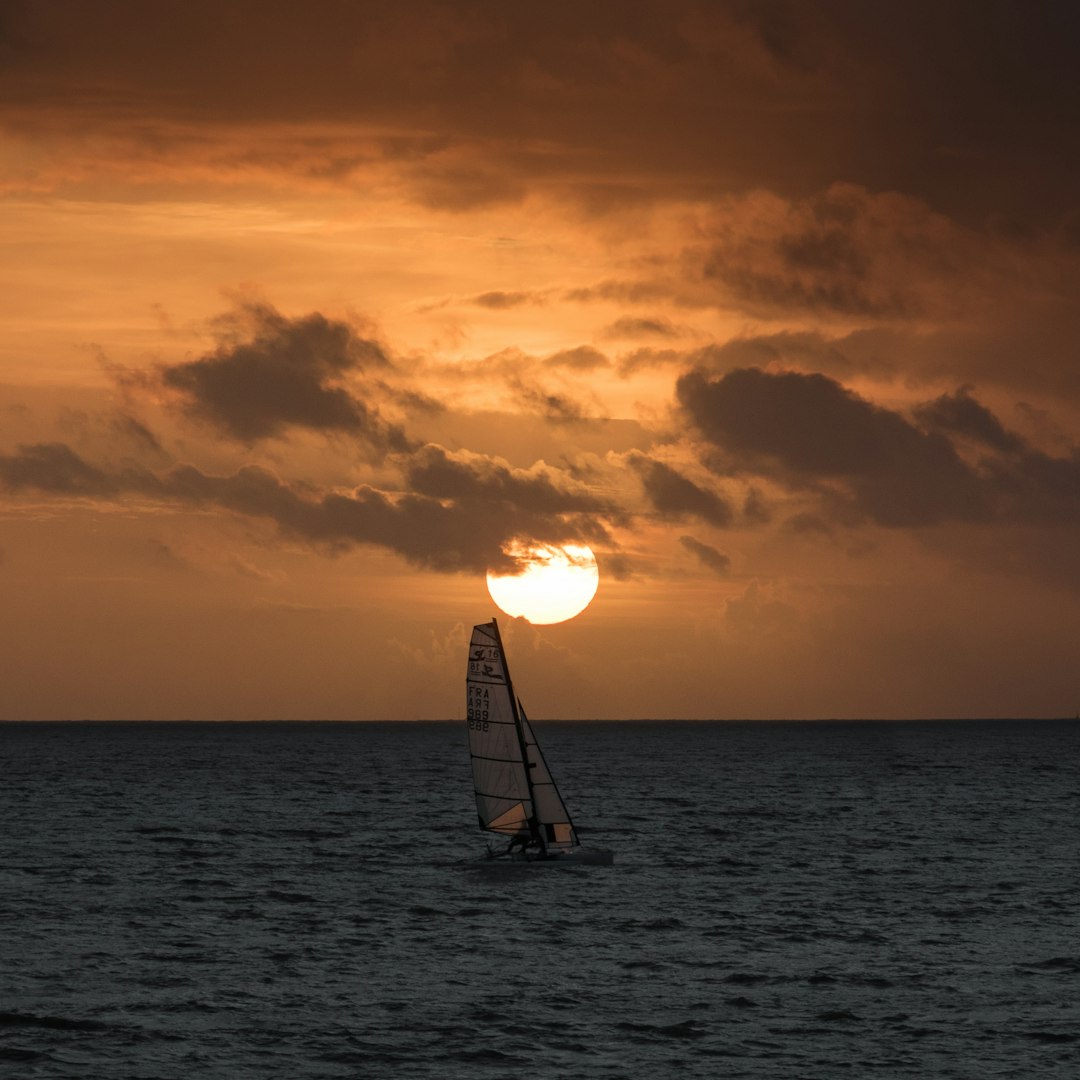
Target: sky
x,y
310,314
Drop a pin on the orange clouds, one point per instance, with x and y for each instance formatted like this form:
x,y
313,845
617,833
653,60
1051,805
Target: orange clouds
x,y
775,306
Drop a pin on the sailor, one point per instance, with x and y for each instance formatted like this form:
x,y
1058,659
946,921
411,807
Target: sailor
x,y
521,840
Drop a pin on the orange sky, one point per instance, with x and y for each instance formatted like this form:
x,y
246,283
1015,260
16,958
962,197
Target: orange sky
x,y
307,314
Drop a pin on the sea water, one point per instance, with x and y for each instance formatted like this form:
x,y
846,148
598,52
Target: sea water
x,y
305,900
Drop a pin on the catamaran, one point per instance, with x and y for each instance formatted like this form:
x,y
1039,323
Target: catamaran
x,y
516,796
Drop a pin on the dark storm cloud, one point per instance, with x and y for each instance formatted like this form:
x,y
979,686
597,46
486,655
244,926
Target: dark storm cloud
x,y
810,431
707,555
272,373
674,496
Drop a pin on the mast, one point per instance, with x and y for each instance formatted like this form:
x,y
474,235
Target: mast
x,y
515,708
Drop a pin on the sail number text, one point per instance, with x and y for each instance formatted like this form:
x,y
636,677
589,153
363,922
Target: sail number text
x,y
478,708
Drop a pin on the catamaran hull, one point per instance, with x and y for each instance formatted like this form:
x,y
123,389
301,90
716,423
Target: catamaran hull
x,y
590,857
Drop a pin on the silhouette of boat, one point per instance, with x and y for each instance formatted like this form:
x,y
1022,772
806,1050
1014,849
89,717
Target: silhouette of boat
x,y
516,795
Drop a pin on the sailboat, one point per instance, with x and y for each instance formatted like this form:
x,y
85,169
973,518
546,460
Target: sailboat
x,y
516,796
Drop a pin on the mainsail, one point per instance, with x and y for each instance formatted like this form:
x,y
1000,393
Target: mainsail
x,y
515,793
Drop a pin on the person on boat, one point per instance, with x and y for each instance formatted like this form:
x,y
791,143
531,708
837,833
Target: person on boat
x,y
527,842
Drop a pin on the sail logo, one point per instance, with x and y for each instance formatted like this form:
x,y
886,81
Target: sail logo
x,y
484,663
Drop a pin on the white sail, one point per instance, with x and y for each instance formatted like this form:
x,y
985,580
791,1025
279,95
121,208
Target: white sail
x,y
503,799
556,828
516,795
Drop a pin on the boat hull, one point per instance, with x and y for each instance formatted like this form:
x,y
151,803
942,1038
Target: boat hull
x,y
584,856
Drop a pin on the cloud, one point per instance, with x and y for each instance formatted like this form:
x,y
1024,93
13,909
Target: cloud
x,y
425,531
557,407
459,514
808,430
674,496
960,414
1037,488
493,484
842,252
270,373
757,612
707,555
604,101
619,291
582,358
54,468
876,352
645,358
636,327
498,300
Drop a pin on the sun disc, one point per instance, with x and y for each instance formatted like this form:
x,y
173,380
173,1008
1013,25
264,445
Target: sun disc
x,y
557,583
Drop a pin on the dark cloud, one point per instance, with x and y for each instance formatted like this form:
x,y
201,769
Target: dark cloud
x,y
1037,488
628,292
843,251
707,555
617,564
458,515
427,532
137,433
502,301
960,414
808,525
271,373
676,497
553,406
644,359
1014,322
583,358
493,484
874,352
635,327
755,508
968,107
809,430
455,518
54,468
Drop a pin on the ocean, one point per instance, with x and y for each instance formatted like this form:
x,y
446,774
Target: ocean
x,y
805,900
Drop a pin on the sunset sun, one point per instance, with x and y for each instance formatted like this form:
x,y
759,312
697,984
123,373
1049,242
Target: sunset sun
x,y
558,582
